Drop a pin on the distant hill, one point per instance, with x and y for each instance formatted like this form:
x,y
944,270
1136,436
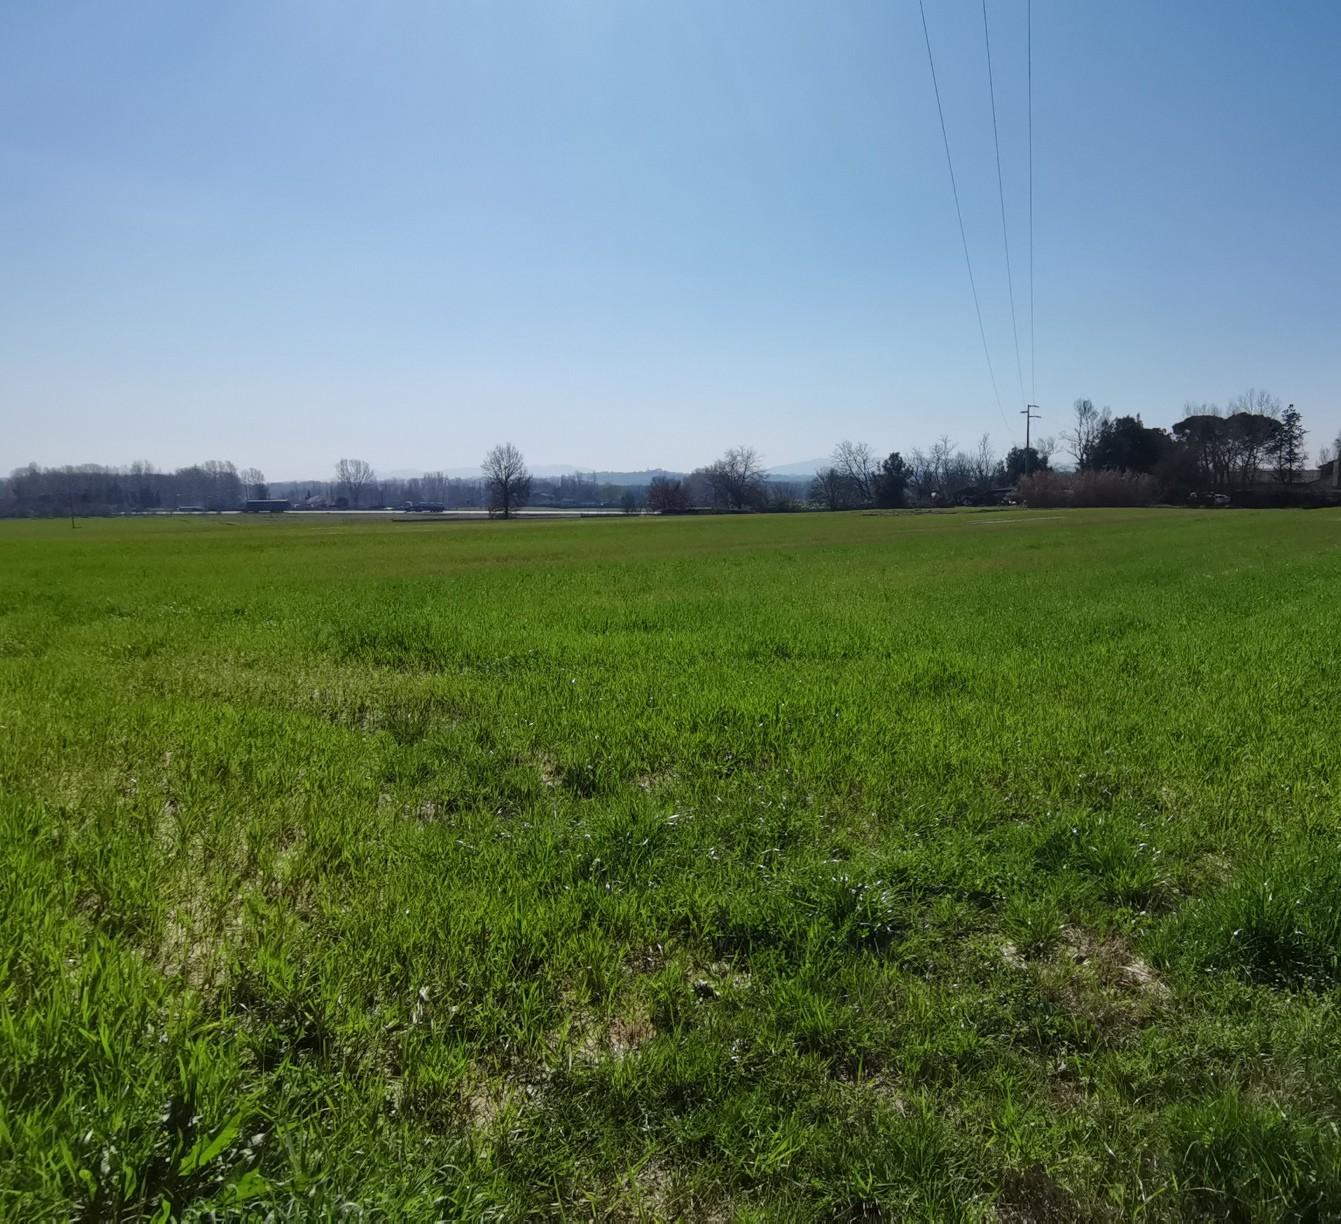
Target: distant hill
x,y
797,471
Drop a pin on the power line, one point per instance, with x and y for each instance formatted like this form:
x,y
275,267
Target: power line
x,y
1001,195
1029,53
959,212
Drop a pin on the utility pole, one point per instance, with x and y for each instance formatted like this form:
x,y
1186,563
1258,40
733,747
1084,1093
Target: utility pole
x,y
1029,416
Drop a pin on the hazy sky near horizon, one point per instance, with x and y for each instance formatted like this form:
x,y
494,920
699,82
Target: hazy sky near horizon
x,y
627,234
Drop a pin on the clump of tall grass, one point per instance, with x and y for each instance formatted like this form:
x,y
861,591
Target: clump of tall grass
x,y
1277,922
400,641
1234,1149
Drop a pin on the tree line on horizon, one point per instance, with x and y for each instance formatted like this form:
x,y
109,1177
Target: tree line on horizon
x,y
1115,460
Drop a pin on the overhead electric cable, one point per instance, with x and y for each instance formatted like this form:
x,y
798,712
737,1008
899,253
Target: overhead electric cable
x,y
1029,44
1001,195
959,212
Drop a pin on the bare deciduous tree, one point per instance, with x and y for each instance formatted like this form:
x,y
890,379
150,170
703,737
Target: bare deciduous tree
x,y
253,482
833,489
667,496
142,474
940,463
1089,424
352,477
506,480
984,462
737,478
920,474
855,462
944,473
1255,402
434,487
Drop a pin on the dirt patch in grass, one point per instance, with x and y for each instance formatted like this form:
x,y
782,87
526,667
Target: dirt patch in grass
x,y
593,1041
627,1033
650,780
187,953
1113,962
649,1194
1030,1196
486,1103
550,773
1101,980
1097,978
649,959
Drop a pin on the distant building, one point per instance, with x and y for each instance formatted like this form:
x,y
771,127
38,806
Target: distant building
x,y
1327,474
266,505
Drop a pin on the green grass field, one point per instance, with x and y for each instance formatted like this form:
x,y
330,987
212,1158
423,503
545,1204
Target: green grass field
x,y
927,866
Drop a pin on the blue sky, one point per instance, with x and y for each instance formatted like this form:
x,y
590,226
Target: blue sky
x,y
626,234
